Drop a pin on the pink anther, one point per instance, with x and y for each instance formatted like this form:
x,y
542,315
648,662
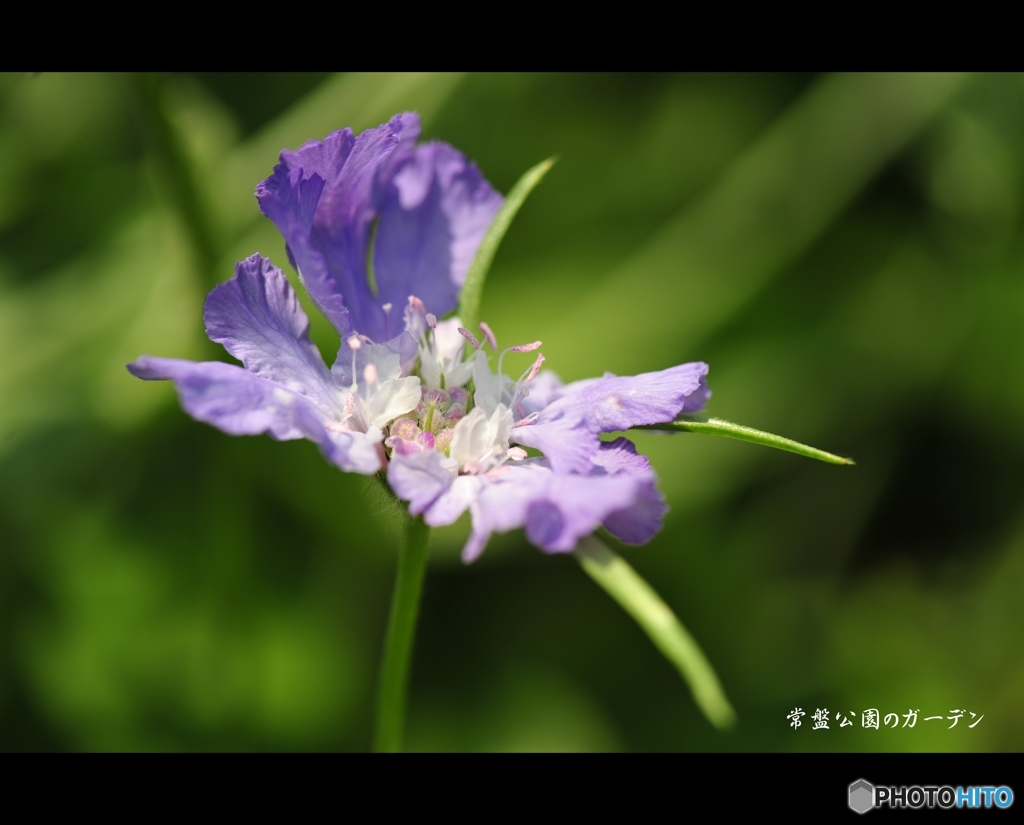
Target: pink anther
x,y
526,347
526,422
489,336
469,336
534,369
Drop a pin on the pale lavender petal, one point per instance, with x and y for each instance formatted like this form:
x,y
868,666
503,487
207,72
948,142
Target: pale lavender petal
x,y
618,403
558,510
454,501
257,317
566,441
640,522
501,504
575,506
419,479
241,403
618,457
434,209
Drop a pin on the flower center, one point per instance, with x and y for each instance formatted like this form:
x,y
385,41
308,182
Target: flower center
x,y
466,412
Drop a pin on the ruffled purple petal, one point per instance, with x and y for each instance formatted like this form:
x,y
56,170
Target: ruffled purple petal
x,y
434,208
567,427
558,510
619,457
320,198
565,439
620,402
257,317
242,403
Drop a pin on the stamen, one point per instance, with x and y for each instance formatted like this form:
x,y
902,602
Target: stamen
x,y
417,305
387,319
431,320
490,336
521,391
370,374
526,347
516,348
354,343
527,421
516,453
533,370
469,336
350,405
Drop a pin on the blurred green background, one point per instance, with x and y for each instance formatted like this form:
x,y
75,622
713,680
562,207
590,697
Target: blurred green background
x,y
844,251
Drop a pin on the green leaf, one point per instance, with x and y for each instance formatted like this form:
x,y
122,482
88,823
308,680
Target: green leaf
x,y
473,289
716,426
659,622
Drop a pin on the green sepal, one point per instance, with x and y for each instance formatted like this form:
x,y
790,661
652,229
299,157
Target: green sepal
x,y
716,426
658,621
473,288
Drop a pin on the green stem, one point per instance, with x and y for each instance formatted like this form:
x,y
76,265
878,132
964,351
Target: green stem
x,y
658,621
716,426
394,673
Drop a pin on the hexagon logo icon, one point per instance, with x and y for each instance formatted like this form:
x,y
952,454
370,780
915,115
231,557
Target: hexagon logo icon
x,y
862,796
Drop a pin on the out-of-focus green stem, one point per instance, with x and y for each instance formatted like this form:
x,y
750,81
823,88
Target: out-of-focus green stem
x,y
658,621
392,693
473,289
716,426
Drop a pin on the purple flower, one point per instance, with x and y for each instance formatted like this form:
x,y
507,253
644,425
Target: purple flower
x,y
382,232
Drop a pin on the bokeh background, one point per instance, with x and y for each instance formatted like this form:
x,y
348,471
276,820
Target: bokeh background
x,y
844,251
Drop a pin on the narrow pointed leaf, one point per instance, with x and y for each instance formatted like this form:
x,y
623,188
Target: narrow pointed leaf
x,y
659,622
716,426
473,289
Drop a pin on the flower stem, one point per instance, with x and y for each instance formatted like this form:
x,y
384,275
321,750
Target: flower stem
x,y
405,604
658,621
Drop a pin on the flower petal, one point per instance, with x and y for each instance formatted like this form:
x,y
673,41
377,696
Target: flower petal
x,y
620,402
257,317
435,208
320,198
558,510
419,479
392,399
566,441
619,457
241,403
566,428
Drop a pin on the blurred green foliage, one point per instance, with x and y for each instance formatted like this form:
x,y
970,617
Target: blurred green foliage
x,y
845,252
